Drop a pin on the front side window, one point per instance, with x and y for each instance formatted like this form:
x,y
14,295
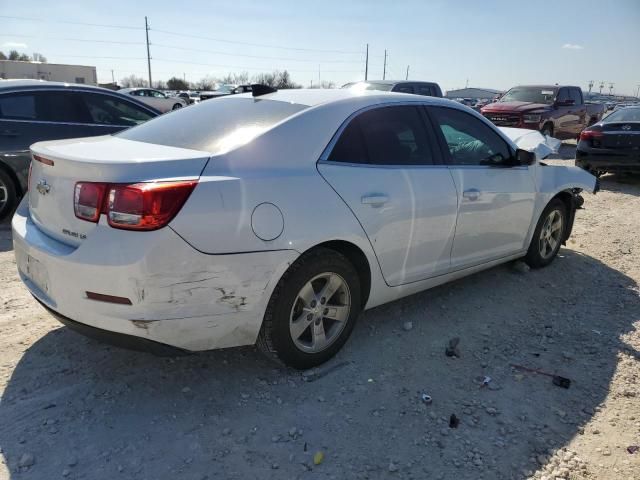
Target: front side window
x,y
21,106
469,140
385,136
108,110
157,94
563,95
576,96
403,89
62,107
425,90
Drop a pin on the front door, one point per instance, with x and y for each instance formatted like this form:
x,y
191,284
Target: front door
x,y
495,197
384,168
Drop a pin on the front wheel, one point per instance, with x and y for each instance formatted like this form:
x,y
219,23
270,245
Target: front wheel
x,y
548,235
177,106
312,311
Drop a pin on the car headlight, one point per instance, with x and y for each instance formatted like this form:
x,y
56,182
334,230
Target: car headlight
x,y
532,118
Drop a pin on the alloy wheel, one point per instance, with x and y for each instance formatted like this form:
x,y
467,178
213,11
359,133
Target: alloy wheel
x,y
550,234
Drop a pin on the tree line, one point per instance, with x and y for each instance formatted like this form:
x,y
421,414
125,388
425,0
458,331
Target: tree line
x,y
23,57
279,79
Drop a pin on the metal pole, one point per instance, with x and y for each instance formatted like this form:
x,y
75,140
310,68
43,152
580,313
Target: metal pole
x,y
146,27
406,77
366,65
384,68
113,78
638,92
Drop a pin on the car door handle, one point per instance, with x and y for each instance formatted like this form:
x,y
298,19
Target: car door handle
x,y
375,200
471,194
9,133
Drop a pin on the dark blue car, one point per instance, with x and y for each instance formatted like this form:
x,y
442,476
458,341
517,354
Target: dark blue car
x,y
32,111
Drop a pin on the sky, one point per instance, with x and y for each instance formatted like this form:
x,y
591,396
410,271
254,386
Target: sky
x,y
491,44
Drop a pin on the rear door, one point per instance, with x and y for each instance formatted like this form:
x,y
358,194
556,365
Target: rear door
x,y
495,198
384,166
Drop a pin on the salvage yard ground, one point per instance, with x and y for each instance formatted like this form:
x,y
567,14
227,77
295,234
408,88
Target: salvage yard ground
x,y
74,408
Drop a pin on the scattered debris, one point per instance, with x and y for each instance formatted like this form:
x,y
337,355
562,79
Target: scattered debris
x,y
597,332
318,458
557,379
454,421
483,381
426,399
452,349
633,448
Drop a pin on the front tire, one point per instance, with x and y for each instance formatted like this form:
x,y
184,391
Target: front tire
x,y
177,106
8,195
548,235
312,310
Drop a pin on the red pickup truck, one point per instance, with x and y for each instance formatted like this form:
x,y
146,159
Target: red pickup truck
x,y
557,111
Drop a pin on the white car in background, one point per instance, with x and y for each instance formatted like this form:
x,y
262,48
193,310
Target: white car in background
x,y
155,98
276,218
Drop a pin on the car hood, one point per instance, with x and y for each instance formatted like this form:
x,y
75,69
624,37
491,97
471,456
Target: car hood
x,y
514,107
532,141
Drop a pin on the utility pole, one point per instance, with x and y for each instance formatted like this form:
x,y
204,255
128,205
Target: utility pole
x,y
407,75
601,86
146,28
366,65
113,78
638,92
590,86
319,81
466,85
384,68
610,89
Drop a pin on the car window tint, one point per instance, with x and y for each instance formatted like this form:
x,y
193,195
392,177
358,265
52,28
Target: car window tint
x,y
18,106
157,94
109,110
470,141
395,136
403,89
425,90
563,95
350,146
59,106
574,94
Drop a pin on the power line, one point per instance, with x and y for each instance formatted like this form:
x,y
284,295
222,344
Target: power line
x,y
300,49
66,39
249,68
34,19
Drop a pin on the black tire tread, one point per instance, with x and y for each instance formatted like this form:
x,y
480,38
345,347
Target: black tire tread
x,y
533,258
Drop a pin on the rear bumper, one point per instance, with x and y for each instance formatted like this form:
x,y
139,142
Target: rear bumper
x,y
609,160
179,296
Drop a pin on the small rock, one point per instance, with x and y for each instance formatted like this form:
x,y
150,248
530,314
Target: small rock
x,y
245,396
66,472
26,460
606,453
293,431
393,467
491,411
186,390
407,326
521,267
275,466
226,431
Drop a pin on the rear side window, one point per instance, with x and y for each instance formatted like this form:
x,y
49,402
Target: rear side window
x,y
403,88
385,136
60,107
109,110
470,140
18,106
214,126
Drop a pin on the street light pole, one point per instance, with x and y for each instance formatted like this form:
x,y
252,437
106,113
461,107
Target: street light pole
x,y
146,28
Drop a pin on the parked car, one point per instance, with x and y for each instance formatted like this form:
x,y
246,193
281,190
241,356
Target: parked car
x,y
556,111
155,98
278,221
221,91
186,96
32,110
429,89
611,145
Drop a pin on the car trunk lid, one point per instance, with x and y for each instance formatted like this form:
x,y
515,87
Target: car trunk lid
x,y
621,135
58,165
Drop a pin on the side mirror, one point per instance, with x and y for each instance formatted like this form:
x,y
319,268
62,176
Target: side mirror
x,y
524,157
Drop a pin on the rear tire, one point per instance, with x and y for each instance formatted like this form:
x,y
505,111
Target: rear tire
x,y
301,326
177,106
548,235
8,195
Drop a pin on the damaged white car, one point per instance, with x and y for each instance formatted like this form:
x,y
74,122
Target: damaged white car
x,y
277,217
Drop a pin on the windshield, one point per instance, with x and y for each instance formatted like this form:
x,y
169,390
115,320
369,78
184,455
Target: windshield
x,y
624,115
214,126
530,94
385,87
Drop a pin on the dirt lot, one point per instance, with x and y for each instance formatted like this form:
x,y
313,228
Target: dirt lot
x,y
74,408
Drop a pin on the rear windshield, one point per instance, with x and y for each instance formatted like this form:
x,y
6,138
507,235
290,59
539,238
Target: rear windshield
x,y
530,94
624,115
216,125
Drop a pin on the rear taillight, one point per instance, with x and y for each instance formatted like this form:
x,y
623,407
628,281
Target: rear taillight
x,y
139,206
590,134
88,200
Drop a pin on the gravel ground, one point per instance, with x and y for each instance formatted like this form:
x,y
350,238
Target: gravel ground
x,y
75,408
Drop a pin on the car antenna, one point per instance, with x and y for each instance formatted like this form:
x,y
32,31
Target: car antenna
x,y
258,89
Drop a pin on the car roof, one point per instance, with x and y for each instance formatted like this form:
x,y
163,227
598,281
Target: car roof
x,y
28,84
317,96
395,82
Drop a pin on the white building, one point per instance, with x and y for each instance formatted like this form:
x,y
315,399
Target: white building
x,y
55,72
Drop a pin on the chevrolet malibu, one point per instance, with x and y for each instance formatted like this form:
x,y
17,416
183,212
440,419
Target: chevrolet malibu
x,y
276,218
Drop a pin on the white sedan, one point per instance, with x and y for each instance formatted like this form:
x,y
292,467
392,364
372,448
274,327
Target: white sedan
x,y
278,218
155,98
